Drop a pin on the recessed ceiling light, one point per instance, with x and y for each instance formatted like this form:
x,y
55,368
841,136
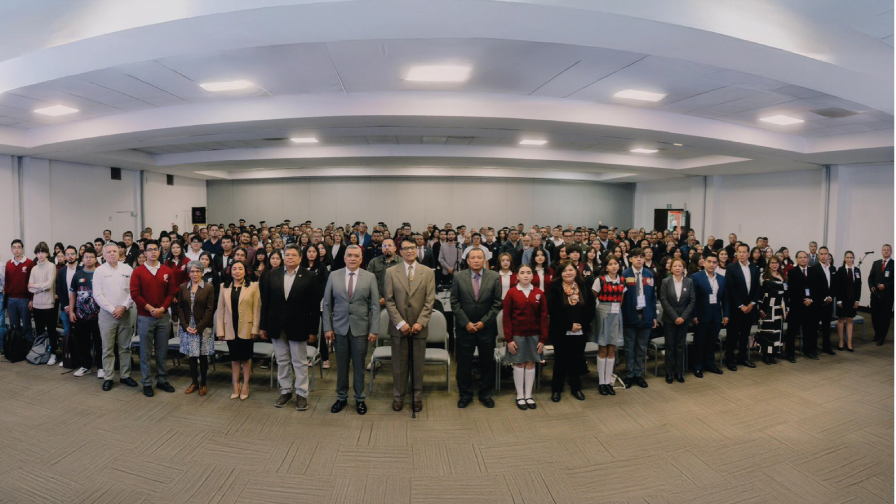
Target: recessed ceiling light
x,y
634,94
533,142
781,120
644,151
304,140
439,73
226,85
678,145
56,110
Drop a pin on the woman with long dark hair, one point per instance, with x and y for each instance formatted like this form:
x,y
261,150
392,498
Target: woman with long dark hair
x,y
312,262
571,310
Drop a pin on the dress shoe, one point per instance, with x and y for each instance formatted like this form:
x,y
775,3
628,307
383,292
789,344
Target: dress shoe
x,y
192,388
792,360
746,363
716,370
880,342
488,402
244,392
128,381
829,352
147,391
813,357
107,385
418,406
521,404
361,407
203,390
772,360
679,379
669,379
578,394
165,386
849,349
732,368
841,348
398,405
282,400
555,396
602,390
338,406
530,403
301,403
641,382
611,390
463,402
698,373
628,382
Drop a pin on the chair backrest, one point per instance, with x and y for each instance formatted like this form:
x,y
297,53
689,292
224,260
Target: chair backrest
x,y
438,329
500,337
384,328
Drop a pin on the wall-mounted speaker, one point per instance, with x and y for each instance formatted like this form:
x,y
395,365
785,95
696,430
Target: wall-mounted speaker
x,y
116,173
169,179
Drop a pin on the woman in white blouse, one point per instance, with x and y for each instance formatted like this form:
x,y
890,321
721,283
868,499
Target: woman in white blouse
x,y
508,277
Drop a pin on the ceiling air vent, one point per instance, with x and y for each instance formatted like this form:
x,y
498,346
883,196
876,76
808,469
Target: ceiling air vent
x,y
833,112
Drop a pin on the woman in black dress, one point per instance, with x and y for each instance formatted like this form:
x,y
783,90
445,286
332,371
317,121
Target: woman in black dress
x,y
772,312
849,293
571,309
312,262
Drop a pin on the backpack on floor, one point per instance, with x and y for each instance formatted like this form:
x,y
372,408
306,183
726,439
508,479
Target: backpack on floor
x,y
68,349
16,346
40,350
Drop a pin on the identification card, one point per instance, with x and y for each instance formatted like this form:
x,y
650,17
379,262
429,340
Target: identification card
x,y
642,302
887,274
785,286
713,299
614,308
807,292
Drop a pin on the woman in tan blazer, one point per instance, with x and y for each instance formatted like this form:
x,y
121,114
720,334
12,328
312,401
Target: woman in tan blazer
x,y
195,309
239,327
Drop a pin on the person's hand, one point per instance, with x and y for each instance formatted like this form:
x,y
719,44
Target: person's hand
x,y
839,304
371,337
417,328
220,337
576,327
827,300
785,314
761,314
749,308
880,287
695,320
724,320
479,326
264,334
160,312
540,348
450,270
312,338
511,347
654,323
807,302
67,309
119,312
30,285
71,316
679,321
471,328
330,335
30,305
856,305
406,329
382,301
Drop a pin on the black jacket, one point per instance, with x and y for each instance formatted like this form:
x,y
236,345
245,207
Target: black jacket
x,y
843,283
298,316
797,283
818,283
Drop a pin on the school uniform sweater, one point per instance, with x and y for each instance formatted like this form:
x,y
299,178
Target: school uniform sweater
x,y
156,290
525,316
17,278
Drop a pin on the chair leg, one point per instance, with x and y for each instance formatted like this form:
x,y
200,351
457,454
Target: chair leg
x,y
372,368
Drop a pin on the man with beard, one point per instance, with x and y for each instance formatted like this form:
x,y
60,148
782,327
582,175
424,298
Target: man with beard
x,y
379,265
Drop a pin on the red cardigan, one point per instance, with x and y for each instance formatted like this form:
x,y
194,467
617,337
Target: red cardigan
x,y
157,291
525,316
548,276
182,272
17,278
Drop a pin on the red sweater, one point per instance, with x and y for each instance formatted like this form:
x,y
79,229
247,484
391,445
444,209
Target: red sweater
x,y
181,272
525,316
17,278
157,291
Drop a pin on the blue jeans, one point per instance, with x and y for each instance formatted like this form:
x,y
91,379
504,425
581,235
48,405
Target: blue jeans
x,y
20,316
154,334
2,321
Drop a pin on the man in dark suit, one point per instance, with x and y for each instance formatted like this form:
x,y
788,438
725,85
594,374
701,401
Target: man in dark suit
x,y
813,253
801,309
742,279
513,245
424,253
375,249
823,289
603,235
880,280
290,317
475,303
364,238
225,258
731,248
131,249
710,314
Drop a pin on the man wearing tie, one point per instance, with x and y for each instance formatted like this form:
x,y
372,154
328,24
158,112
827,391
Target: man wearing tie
x,y
710,314
742,280
801,309
638,316
424,253
351,318
410,295
475,303
813,253
823,290
880,280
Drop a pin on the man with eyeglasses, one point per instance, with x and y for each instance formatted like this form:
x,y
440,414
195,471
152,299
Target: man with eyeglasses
x,y
152,289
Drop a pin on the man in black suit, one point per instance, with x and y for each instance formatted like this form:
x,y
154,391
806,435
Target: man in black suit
x,y
375,249
731,247
823,289
290,317
424,253
742,281
603,235
880,280
801,309
131,249
224,259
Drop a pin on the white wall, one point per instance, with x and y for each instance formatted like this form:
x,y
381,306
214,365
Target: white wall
x,y
861,216
9,195
165,205
684,193
421,201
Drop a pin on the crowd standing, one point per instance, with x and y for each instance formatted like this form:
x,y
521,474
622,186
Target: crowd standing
x,y
547,291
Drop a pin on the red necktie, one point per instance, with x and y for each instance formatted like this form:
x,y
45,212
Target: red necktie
x,y
883,266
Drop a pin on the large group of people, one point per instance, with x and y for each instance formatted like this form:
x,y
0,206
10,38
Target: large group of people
x,y
549,291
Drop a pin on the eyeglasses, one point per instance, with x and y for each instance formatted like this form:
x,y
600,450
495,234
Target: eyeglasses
x,y
408,248
151,250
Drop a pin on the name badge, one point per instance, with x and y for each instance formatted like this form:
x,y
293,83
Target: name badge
x,y
887,274
713,299
642,302
614,308
785,286
807,292
857,273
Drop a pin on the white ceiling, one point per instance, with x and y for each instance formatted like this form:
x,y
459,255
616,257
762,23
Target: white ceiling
x,y
351,94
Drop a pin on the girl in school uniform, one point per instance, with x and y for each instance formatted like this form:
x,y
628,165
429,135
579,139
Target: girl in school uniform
x,y
508,277
608,289
526,331
542,272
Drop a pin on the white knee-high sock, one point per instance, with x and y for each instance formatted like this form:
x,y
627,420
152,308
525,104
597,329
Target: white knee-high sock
x,y
530,382
518,381
601,370
611,363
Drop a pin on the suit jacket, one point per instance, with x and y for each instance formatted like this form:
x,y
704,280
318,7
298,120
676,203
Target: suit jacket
x,y
673,306
130,255
62,289
298,315
364,242
630,298
797,284
222,263
813,259
249,310
428,259
410,303
705,312
203,308
819,286
842,284
359,313
338,259
878,276
466,308
738,292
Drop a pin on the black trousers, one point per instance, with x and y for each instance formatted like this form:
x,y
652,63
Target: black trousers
x,y
87,336
568,354
881,313
45,322
739,325
823,314
800,319
465,346
706,336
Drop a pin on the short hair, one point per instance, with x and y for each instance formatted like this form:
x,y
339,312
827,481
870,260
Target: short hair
x,y
823,247
480,251
89,250
678,259
12,244
42,247
110,244
712,255
196,265
71,247
127,233
801,252
411,241
195,238
151,242
227,237
377,231
294,246
636,252
739,245
813,243
354,247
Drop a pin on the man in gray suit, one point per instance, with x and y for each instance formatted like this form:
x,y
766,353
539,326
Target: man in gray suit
x,y
410,295
475,303
351,317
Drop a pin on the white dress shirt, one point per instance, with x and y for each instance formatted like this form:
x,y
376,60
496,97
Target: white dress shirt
x,y
678,285
288,280
747,277
348,273
112,286
505,283
407,271
153,269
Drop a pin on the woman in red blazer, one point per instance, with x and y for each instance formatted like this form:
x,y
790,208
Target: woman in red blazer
x,y
526,331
